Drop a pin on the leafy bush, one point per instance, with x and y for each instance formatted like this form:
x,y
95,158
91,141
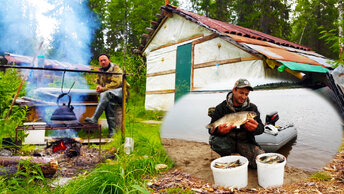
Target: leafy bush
x,y
9,83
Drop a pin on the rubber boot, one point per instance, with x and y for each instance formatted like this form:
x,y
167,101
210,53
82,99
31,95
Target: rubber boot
x,y
103,103
110,117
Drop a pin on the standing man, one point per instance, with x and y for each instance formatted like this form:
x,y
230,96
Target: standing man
x,y
110,100
226,139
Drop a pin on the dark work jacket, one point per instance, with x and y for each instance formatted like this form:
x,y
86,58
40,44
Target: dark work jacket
x,y
226,107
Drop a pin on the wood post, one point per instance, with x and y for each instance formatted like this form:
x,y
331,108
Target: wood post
x,y
124,90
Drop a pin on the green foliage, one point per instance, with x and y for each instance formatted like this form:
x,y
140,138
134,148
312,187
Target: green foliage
x,y
136,70
268,16
126,21
247,14
309,15
9,83
334,41
321,176
217,9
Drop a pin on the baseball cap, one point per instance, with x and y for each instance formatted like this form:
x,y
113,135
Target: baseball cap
x,y
243,83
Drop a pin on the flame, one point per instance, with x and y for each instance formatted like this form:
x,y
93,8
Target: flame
x,y
59,147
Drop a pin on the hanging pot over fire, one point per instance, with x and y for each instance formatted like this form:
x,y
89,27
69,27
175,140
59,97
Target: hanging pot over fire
x,y
64,112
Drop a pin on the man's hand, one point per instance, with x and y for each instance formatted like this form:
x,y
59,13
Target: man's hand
x,y
251,125
224,129
99,89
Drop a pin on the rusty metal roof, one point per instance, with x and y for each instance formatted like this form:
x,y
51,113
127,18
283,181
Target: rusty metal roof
x,y
227,28
283,54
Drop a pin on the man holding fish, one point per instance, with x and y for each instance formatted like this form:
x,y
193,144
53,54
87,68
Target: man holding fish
x,y
234,123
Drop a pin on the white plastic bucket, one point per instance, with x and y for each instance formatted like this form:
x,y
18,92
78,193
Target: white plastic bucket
x,y
35,136
270,175
230,177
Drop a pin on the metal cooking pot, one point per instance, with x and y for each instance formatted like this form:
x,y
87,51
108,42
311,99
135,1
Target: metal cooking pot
x,y
64,112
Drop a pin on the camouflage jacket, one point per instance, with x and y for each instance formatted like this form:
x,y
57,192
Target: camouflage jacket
x,y
226,107
110,81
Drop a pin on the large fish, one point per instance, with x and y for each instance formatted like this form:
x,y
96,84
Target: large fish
x,y
235,119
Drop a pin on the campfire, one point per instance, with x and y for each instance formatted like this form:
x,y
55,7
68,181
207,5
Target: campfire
x,y
69,146
69,154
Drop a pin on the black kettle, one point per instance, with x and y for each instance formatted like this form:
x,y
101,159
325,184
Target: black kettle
x,y
64,112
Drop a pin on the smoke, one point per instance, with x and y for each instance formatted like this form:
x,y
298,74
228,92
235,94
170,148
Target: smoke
x,y
67,28
76,25
17,27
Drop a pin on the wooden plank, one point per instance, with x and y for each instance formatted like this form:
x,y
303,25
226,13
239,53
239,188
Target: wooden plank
x,y
213,63
161,73
160,92
181,41
226,61
204,39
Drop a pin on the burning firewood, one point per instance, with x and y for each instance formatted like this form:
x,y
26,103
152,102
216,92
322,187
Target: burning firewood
x,y
69,146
